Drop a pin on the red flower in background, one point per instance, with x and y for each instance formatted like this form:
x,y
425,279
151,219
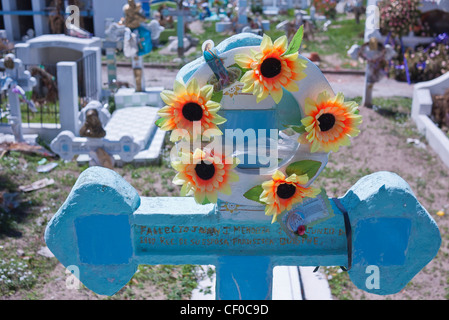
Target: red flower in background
x,y
326,7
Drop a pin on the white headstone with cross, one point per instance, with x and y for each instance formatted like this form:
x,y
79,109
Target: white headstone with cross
x,y
126,133
16,81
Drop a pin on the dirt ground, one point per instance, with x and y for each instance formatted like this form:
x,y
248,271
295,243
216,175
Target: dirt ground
x,y
382,146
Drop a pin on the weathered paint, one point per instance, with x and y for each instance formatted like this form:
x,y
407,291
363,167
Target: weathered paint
x,y
107,230
103,217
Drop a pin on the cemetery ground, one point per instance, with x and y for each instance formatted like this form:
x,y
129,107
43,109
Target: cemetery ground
x,y
331,43
27,273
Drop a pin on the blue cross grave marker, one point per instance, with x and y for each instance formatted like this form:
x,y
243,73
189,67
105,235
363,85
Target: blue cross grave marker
x,y
106,230
378,231
180,13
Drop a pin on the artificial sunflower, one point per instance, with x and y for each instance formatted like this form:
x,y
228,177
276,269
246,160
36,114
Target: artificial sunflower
x,y
280,193
203,174
329,122
187,106
271,69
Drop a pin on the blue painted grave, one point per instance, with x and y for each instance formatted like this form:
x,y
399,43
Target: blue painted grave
x,y
107,230
259,219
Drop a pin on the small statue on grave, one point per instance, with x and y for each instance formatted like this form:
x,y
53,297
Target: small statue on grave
x,y
138,40
92,127
49,82
56,19
222,76
9,62
133,14
440,110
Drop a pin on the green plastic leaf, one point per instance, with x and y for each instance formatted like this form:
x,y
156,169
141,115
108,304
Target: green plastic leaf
x,y
159,121
295,44
217,96
309,167
297,129
254,194
206,201
300,129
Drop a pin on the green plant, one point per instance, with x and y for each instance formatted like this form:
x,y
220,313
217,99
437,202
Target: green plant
x,y
339,283
335,42
15,275
424,64
176,282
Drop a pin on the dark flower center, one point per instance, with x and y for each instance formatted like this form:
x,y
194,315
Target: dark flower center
x,y
192,111
286,191
205,170
270,68
327,121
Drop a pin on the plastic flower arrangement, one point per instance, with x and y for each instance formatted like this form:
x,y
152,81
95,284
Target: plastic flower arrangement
x,y
273,68
399,17
330,122
424,63
187,105
281,193
326,7
203,174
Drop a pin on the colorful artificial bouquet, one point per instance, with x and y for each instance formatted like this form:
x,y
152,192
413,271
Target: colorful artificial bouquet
x,y
399,17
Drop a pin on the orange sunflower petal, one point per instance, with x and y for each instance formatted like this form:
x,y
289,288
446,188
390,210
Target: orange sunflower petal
x,y
330,122
202,184
275,205
263,82
203,118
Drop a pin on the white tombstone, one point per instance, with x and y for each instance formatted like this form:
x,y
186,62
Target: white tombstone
x,y
53,48
422,109
14,75
68,96
129,132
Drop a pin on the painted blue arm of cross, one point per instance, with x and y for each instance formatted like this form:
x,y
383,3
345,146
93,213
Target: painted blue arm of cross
x,y
106,230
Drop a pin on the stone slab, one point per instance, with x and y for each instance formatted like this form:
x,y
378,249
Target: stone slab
x,y
289,283
127,97
150,155
422,109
